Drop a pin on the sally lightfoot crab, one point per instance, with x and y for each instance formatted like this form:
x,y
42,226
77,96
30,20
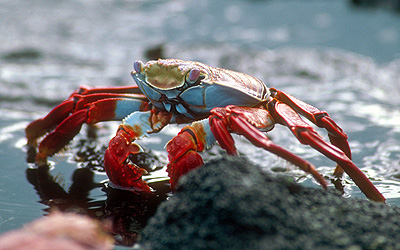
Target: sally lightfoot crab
x,y
216,102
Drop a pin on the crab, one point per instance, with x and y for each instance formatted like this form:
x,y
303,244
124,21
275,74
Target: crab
x,y
215,102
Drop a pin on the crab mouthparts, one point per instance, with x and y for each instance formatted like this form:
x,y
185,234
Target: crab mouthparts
x,y
164,83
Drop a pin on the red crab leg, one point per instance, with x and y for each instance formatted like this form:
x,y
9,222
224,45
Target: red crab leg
x,y
76,102
83,90
39,127
307,135
237,120
320,118
102,110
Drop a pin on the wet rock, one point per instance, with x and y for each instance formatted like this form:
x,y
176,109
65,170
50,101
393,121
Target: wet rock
x,y
232,204
58,231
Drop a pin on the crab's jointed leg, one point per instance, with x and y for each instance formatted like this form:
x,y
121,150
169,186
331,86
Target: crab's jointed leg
x,y
197,137
286,115
78,100
248,122
320,118
84,90
65,121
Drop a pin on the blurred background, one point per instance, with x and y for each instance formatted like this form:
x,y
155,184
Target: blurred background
x,y
340,56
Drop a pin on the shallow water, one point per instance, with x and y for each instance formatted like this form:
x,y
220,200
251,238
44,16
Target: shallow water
x,y
332,55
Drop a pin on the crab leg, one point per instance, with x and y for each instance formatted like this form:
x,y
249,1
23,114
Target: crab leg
x,y
320,118
76,102
93,112
285,115
83,90
239,120
39,127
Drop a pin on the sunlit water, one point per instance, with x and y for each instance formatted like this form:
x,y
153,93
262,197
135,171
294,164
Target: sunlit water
x,y
340,59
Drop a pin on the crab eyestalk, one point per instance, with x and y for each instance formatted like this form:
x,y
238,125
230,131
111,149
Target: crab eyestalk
x,y
193,76
138,66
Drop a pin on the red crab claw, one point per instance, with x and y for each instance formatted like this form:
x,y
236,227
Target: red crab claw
x,y
120,171
182,152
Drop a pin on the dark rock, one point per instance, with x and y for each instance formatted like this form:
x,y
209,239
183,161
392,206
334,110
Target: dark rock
x,y
232,204
22,54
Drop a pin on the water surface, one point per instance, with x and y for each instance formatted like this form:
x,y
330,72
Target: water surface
x,y
332,55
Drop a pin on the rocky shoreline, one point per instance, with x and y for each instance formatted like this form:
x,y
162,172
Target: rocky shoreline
x,y
233,204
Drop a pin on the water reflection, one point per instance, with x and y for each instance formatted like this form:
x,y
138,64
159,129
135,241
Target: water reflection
x,y
127,212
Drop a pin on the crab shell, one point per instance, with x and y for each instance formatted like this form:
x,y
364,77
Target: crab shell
x,y
192,89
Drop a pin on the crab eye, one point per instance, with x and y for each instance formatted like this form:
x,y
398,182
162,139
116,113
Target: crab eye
x,y
193,76
138,66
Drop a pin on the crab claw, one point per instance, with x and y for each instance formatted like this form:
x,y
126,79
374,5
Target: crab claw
x,y
182,153
121,172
